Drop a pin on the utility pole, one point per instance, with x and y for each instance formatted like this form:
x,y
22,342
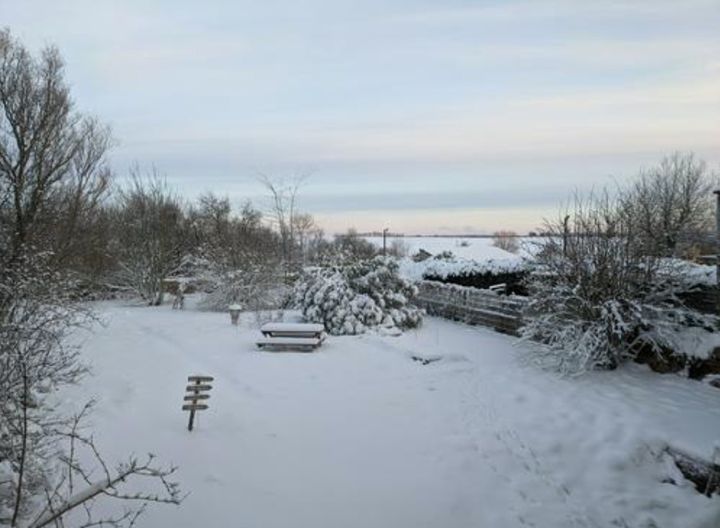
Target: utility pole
x,y
385,236
717,250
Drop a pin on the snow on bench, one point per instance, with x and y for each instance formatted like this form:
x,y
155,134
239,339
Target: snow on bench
x,y
294,328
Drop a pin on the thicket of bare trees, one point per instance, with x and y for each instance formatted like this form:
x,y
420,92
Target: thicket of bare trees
x,y
672,204
604,289
153,238
53,179
53,170
236,254
507,240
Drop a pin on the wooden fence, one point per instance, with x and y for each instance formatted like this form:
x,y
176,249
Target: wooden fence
x,y
472,305
704,299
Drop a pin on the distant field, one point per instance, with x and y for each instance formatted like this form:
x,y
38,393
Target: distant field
x,y
464,247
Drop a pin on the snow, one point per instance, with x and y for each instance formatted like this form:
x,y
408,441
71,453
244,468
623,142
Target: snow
x,y
292,327
694,274
471,248
696,342
359,434
442,268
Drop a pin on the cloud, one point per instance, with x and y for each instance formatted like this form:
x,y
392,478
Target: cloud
x,y
462,101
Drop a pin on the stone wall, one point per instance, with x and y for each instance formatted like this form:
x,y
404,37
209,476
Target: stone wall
x,y
472,305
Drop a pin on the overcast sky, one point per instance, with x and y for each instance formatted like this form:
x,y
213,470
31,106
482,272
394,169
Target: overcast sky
x,y
439,116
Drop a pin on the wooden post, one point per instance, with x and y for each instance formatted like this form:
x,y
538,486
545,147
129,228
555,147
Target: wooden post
x,y
191,421
234,310
384,244
199,385
717,251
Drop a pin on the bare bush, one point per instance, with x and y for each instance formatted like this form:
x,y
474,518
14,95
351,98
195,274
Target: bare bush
x,y
398,248
597,294
350,247
506,240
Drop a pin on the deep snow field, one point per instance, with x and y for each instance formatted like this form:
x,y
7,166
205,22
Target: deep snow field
x,y
358,434
472,248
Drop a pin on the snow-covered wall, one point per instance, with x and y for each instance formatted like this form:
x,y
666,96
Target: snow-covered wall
x,y
472,305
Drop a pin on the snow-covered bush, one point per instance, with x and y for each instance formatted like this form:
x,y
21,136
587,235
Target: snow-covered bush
x,y
351,299
597,298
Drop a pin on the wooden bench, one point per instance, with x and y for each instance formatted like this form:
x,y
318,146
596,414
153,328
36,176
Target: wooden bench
x,y
289,343
289,336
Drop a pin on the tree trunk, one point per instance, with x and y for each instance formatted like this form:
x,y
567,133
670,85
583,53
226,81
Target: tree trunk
x,y
703,474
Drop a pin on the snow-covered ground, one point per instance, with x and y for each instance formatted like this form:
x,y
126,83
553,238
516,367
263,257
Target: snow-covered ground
x,y
359,434
463,247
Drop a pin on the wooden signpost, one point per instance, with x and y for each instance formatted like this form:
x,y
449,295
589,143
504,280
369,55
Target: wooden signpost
x,y
196,391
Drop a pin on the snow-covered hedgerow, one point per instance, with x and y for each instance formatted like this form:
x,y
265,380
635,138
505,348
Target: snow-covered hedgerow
x,y
598,297
351,299
511,271
455,266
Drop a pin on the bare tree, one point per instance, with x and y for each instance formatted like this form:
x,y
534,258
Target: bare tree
x,y
283,210
671,203
210,228
79,485
507,240
304,230
256,244
153,237
52,159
